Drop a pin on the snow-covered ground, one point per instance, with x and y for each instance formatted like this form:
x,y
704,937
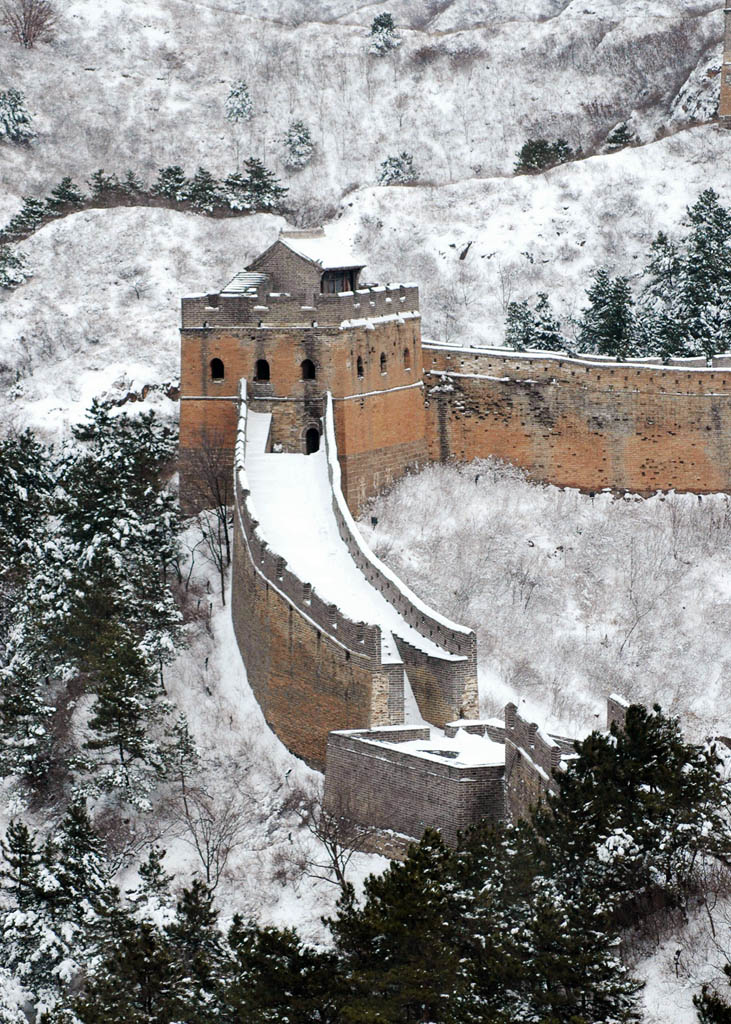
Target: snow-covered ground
x,y
572,597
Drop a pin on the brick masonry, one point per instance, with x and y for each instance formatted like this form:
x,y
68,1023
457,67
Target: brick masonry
x,y
582,424
724,109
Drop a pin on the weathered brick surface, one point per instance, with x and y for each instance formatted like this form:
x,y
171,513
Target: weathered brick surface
x,y
391,789
578,424
724,109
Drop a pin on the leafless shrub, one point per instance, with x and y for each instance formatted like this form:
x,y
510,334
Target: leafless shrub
x,y
29,21
210,487
217,821
339,838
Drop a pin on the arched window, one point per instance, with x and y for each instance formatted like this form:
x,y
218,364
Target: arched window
x,y
407,359
216,369
383,362
312,441
308,370
262,370
360,367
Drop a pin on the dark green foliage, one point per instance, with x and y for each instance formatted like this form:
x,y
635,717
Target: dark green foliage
x,y
99,183
540,154
132,184
608,324
31,215
713,1008
263,188
13,267
397,170
401,958
203,190
272,976
636,813
92,541
15,121
619,137
171,183
533,328
64,196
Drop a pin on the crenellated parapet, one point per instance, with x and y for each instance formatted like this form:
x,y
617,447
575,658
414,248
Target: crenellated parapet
x,y
260,308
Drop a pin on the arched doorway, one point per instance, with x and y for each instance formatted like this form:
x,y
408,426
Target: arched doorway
x,y
312,441
262,370
308,370
217,371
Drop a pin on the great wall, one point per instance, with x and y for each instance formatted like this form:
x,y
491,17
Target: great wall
x,y
319,394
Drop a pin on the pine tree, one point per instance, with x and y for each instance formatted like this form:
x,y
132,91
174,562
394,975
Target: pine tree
x,y
239,106
397,170
298,146
172,184
132,184
262,189
203,190
619,137
66,194
272,976
31,215
99,183
398,950
540,154
195,944
15,121
607,326
712,1008
13,267
383,35
520,328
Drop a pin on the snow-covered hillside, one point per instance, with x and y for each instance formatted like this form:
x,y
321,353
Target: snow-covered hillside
x,y
144,85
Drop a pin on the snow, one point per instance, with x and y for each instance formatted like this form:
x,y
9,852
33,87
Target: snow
x,y
467,750
327,252
292,500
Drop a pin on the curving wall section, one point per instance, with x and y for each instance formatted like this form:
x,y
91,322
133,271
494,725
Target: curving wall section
x,y
583,423
313,668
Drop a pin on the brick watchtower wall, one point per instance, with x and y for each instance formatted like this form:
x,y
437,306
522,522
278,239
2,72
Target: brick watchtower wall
x,y
724,108
583,423
366,350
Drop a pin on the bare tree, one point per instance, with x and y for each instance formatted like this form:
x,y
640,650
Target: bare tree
x,y
29,21
210,488
217,822
338,836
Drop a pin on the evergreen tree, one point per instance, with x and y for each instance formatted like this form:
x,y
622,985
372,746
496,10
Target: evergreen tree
x,y
298,146
132,184
31,215
619,137
15,121
520,329
152,900
533,328
13,267
195,944
608,326
636,814
540,154
99,183
713,1008
262,191
400,958
239,106
383,35
203,190
66,194
172,184
272,976
397,170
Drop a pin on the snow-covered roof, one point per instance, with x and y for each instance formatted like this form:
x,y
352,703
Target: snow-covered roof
x,y
244,281
316,247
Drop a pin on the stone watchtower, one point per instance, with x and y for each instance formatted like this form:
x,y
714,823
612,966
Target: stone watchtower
x,y
724,109
296,324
